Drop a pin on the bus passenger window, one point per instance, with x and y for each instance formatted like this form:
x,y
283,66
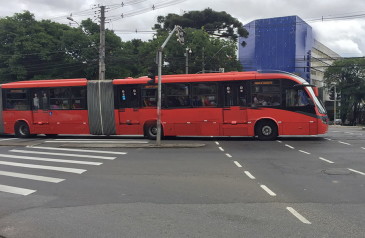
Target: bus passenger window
x,y
297,98
204,95
149,94
17,99
177,95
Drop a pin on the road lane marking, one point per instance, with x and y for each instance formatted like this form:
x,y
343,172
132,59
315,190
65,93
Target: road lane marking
x,y
229,156
279,141
9,139
238,164
78,150
327,139
271,193
356,171
249,175
51,160
100,141
297,215
291,147
32,177
35,166
305,152
326,160
62,154
16,190
343,143
221,148
363,148
217,143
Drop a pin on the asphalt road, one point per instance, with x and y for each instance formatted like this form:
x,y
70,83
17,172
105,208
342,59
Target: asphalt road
x,y
232,187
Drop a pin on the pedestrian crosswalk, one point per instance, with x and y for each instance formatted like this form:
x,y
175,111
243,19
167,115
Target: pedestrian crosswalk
x,y
59,161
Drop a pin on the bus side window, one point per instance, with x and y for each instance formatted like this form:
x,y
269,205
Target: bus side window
x,y
60,98
128,97
17,99
78,98
149,96
177,95
205,95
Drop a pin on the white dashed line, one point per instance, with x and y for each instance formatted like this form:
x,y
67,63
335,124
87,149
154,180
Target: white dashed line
x,y
363,148
229,156
291,147
249,175
217,143
305,152
343,143
327,139
326,160
297,215
238,164
271,193
279,141
356,171
221,148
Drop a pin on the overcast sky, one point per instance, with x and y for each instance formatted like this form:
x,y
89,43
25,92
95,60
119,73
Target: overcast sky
x,y
346,37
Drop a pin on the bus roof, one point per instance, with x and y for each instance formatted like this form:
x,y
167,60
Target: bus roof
x,y
46,83
230,76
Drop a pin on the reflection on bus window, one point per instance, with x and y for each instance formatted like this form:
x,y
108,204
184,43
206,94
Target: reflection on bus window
x,y
177,95
297,98
266,94
204,95
149,96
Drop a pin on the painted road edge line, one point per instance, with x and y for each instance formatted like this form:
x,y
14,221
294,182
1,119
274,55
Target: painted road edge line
x,y
16,190
356,171
238,164
271,193
297,215
326,160
249,175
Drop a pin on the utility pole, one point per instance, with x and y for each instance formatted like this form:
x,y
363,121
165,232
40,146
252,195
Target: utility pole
x,y
188,51
203,63
102,44
334,106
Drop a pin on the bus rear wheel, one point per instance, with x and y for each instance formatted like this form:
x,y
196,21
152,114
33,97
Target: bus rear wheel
x,y
22,130
266,130
150,131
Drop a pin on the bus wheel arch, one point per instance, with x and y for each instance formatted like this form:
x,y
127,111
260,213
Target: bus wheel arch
x,y
21,129
150,129
266,129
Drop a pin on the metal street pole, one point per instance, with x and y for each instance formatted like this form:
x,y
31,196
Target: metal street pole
x,y
159,89
334,106
188,51
102,44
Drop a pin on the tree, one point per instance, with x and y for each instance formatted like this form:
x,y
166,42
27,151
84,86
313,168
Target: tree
x,y
219,24
349,77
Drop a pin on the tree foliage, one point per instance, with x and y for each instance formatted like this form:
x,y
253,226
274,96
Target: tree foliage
x,y
220,24
349,77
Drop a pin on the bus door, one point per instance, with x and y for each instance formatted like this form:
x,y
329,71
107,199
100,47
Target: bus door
x,y
129,109
40,110
235,109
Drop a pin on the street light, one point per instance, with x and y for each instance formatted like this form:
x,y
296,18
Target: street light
x,y
71,19
188,51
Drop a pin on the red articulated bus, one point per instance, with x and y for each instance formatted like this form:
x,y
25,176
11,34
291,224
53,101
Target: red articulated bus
x,y
262,104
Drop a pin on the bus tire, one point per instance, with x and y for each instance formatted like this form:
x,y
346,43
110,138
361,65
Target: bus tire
x,y
22,130
150,131
266,130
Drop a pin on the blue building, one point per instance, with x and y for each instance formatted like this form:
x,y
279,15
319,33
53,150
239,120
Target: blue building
x,y
282,43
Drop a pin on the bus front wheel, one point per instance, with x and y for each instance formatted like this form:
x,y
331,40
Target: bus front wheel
x,y
266,130
22,129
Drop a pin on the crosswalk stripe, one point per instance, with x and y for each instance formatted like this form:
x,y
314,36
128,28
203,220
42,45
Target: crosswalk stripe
x,y
92,141
77,150
51,160
31,176
9,139
62,154
35,166
103,140
16,190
